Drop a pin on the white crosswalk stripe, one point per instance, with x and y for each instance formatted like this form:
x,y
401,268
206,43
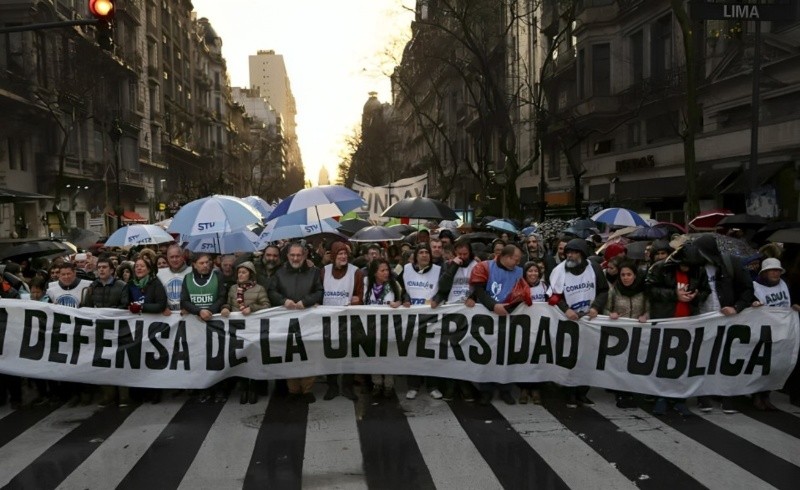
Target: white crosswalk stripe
x,y
444,437
107,466
18,453
574,461
701,463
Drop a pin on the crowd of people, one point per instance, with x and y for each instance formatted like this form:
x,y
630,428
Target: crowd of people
x,y
571,273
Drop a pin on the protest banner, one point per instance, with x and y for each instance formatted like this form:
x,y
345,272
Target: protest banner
x,y
710,354
380,198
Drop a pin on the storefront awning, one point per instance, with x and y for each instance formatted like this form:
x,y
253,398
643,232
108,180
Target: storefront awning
x,y
130,217
10,195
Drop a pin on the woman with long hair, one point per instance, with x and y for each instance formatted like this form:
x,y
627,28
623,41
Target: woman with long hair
x,y
533,275
380,288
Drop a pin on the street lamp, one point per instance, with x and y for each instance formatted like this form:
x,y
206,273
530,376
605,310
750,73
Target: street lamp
x,y
115,133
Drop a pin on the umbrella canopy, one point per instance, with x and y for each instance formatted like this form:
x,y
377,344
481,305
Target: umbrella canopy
x,y
164,224
82,238
635,250
225,243
648,233
420,208
671,227
619,217
212,215
528,230
325,201
353,225
791,235
502,225
295,225
709,219
479,236
376,234
762,235
726,244
263,207
742,221
132,235
37,248
403,229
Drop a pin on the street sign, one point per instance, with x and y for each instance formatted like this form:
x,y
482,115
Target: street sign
x,y
740,11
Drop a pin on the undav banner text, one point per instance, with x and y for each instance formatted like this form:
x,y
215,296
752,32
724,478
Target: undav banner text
x,y
710,354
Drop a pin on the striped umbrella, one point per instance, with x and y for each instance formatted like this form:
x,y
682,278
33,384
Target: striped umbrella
x,y
619,217
132,235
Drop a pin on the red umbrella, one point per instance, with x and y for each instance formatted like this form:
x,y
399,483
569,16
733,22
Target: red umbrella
x,y
709,219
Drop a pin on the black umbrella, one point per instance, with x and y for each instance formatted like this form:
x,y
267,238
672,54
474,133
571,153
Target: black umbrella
x,y
84,239
403,229
37,248
742,221
763,233
791,235
351,226
376,234
479,236
420,208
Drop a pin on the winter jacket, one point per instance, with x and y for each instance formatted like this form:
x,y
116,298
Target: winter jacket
x,y
626,306
301,284
733,283
113,295
662,288
255,298
155,296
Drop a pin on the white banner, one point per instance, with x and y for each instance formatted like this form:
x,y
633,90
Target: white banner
x,y
380,198
709,354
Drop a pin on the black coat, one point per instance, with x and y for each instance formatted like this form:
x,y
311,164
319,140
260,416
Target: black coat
x,y
661,287
114,295
155,296
301,284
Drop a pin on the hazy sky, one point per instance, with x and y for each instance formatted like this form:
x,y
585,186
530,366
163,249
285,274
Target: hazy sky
x,y
333,51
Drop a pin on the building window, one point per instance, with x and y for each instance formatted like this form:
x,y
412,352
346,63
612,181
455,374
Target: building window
x,y
637,57
634,134
16,154
603,146
581,75
661,47
601,69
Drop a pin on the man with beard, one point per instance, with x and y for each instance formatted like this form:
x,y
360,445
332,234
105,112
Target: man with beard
x,y
268,265
579,288
228,271
454,288
172,277
344,285
493,282
296,286
421,282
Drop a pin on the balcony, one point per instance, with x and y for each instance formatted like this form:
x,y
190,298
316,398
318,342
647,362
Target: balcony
x,y
596,11
154,73
131,9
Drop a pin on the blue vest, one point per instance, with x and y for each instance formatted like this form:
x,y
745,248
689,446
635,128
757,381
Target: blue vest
x,y
501,281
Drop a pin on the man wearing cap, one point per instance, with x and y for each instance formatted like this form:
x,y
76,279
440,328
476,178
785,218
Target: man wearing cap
x,y
343,285
579,288
172,277
296,286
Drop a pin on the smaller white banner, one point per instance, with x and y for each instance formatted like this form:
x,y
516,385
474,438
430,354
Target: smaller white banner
x,y
380,198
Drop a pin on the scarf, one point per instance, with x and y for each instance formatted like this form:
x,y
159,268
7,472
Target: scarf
x,y
378,292
632,290
141,283
240,289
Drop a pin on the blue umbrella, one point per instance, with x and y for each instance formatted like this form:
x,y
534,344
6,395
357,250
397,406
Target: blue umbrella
x,y
528,230
325,201
619,217
295,225
502,225
213,215
261,206
132,235
224,243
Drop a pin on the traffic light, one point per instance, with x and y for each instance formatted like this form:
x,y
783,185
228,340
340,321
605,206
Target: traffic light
x,y
103,11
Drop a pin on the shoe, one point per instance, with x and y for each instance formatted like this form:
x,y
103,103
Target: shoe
x,y
704,402
243,398
252,396
585,400
38,402
469,398
485,399
156,398
536,397
524,397
411,394
293,397
436,394
572,401
727,406
377,392
105,402
74,401
331,393
758,403
660,408
682,409
769,405
308,398
347,392
508,398
448,395
620,401
388,392
220,398
124,402
205,397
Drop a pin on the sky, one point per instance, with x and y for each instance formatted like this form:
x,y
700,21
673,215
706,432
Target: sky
x,y
336,52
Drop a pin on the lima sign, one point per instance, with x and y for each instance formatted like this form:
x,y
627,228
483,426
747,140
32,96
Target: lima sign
x,y
727,11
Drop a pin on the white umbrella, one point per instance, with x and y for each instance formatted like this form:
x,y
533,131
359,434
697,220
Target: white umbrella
x,y
226,243
295,225
132,235
213,215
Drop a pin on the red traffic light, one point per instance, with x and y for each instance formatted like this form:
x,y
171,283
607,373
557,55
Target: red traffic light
x,y
102,9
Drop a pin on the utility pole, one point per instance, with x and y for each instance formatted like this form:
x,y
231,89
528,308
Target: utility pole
x,y
115,133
